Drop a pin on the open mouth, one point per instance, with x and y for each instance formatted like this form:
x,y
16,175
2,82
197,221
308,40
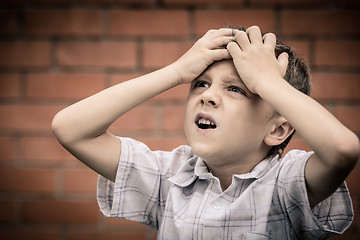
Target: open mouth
x,y
205,122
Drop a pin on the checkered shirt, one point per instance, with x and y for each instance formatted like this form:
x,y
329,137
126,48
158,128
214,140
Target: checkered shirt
x,y
174,193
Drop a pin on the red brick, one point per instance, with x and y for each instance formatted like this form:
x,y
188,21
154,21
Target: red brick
x,y
60,212
290,2
349,116
335,86
8,212
141,118
7,148
27,117
9,85
30,234
347,3
160,54
148,22
27,180
35,1
320,22
214,19
122,77
145,2
9,23
347,235
340,53
178,93
80,181
301,48
353,182
97,54
203,2
69,22
44,149
163,143
173,118
107,235
24,54
64,86
297,143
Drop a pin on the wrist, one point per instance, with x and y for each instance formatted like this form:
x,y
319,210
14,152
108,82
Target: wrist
x,y
175,74
270,86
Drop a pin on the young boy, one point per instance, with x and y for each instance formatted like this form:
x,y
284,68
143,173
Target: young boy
x,y
230,183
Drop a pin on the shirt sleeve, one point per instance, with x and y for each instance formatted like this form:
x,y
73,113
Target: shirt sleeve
x,y
332,216
140,188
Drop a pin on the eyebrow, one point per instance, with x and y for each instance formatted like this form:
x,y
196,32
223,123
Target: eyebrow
x,y
235,80
231,80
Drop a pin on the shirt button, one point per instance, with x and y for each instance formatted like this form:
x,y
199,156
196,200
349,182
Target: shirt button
x,y
217,206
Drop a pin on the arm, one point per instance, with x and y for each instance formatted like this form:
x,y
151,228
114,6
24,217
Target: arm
x,y
82,127
336,148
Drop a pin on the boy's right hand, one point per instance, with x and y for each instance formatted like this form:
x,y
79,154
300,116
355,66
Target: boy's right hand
x,y
211,47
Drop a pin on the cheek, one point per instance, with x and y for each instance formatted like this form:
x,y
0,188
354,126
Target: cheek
x,y
249,121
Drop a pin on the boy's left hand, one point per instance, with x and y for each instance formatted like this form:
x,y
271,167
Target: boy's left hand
x,y
254,58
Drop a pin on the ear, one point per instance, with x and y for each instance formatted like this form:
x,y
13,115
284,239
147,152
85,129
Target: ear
x,y
279,132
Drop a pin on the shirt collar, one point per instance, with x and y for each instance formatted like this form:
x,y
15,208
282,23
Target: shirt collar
x,y
195,168
260,169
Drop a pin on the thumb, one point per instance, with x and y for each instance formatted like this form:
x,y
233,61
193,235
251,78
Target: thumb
x,y
283,60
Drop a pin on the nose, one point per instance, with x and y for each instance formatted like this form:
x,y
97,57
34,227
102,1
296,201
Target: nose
x,y
210,97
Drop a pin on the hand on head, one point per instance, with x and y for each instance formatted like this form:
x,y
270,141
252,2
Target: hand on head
x,y
254,57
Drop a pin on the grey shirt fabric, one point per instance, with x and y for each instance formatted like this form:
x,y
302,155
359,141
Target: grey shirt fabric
x,y
175,193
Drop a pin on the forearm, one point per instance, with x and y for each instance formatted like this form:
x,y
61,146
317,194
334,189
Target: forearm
x,y
92,116
328,137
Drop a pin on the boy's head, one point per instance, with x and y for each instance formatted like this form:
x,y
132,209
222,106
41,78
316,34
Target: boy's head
x,y
241,112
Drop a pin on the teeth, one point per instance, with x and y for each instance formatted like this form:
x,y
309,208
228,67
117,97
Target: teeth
x,y
205,121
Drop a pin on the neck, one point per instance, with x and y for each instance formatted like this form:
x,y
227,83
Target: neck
x,y
225,172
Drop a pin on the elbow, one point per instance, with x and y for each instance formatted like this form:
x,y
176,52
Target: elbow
x,y
59,129
347,153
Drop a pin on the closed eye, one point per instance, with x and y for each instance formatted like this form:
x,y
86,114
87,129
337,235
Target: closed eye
x,y
237,90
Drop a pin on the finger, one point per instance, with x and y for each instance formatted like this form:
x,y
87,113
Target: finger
x,y
214,33
242,40
283,60
269,39
232,31
234,50
221,54
220,42
254,34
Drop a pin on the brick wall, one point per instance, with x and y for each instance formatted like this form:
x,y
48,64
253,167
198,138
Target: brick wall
x,y
53,53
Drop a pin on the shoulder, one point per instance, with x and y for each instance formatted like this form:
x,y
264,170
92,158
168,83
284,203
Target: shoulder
x,y
297,154
294,162
140,153
130,144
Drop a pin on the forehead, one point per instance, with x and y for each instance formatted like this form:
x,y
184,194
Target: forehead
x,y
223,70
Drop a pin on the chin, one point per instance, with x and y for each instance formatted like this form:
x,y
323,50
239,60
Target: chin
x,y
204,152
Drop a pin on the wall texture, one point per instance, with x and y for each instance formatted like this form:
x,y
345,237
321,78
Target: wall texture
x,y
55,52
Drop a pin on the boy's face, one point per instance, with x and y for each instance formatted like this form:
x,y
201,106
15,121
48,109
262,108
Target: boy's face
x,y
224,122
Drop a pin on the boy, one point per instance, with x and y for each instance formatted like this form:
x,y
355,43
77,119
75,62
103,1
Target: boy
x,y
229,183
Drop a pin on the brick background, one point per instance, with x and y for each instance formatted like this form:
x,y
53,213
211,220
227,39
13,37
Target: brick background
x,y
53,53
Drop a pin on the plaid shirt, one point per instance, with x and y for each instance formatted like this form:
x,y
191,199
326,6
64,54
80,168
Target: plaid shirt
x,y
174,193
